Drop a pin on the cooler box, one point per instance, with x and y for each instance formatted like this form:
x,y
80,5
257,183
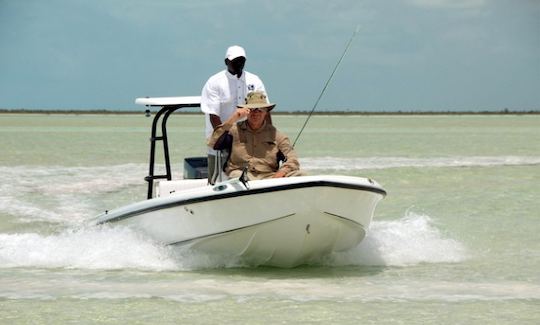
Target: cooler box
x,y
195,167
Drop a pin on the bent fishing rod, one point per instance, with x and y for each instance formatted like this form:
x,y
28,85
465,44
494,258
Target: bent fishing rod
x,y
327,83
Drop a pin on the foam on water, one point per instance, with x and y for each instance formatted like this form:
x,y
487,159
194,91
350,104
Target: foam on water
x,y
91,248
410,240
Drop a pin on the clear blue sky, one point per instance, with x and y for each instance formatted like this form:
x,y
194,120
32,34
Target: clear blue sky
x,y
408,55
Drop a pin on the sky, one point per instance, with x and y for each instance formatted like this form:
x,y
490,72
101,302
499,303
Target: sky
x,y
409,55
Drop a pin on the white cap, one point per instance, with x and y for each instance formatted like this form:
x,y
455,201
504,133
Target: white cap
x,y
235,51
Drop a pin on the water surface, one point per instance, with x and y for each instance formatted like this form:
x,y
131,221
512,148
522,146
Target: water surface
x,y
455,240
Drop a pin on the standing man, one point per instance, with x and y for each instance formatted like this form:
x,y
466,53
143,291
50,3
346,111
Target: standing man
x,y
223,92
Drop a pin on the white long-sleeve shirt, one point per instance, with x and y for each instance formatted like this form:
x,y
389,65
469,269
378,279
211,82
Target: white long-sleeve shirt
x,y
223,92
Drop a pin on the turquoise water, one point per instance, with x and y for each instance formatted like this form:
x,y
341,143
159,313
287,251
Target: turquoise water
x,y
455,240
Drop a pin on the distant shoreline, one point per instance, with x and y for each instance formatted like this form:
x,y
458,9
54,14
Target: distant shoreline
x,y
141,112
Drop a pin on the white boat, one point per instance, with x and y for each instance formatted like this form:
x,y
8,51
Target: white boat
x,y
281,222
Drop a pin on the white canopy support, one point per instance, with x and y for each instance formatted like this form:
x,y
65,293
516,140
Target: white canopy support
x,y
168,101
168,105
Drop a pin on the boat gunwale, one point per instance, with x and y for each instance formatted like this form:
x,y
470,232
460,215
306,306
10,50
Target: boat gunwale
x,y
262,190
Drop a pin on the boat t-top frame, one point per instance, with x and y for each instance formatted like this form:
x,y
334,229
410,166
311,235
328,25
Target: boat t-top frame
x,y
168,106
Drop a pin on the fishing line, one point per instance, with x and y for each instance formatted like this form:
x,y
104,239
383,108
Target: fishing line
x,y
327,83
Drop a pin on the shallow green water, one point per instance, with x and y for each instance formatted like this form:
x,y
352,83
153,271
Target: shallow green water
x,y
455,240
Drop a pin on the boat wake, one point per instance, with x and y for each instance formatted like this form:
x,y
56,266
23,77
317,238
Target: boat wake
x,y
85,248
337,163
410,240
65,195
59,194
43,211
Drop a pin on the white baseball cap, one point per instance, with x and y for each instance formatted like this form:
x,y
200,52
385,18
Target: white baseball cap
x,y
234,52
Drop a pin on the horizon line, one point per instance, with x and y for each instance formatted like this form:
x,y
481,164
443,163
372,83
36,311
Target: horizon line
x,y
336,112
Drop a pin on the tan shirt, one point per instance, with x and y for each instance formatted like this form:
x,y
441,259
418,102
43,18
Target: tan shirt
x,y
258,149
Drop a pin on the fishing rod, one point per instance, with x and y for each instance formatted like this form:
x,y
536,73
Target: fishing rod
x,y
327,83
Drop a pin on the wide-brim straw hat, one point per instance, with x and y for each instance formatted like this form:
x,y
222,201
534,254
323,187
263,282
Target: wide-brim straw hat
x,y
257,99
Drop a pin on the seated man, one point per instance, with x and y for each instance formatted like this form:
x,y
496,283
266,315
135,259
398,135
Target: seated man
x,y
256,143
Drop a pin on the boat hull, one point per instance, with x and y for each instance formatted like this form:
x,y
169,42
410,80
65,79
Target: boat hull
x,y
284,242
281,223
